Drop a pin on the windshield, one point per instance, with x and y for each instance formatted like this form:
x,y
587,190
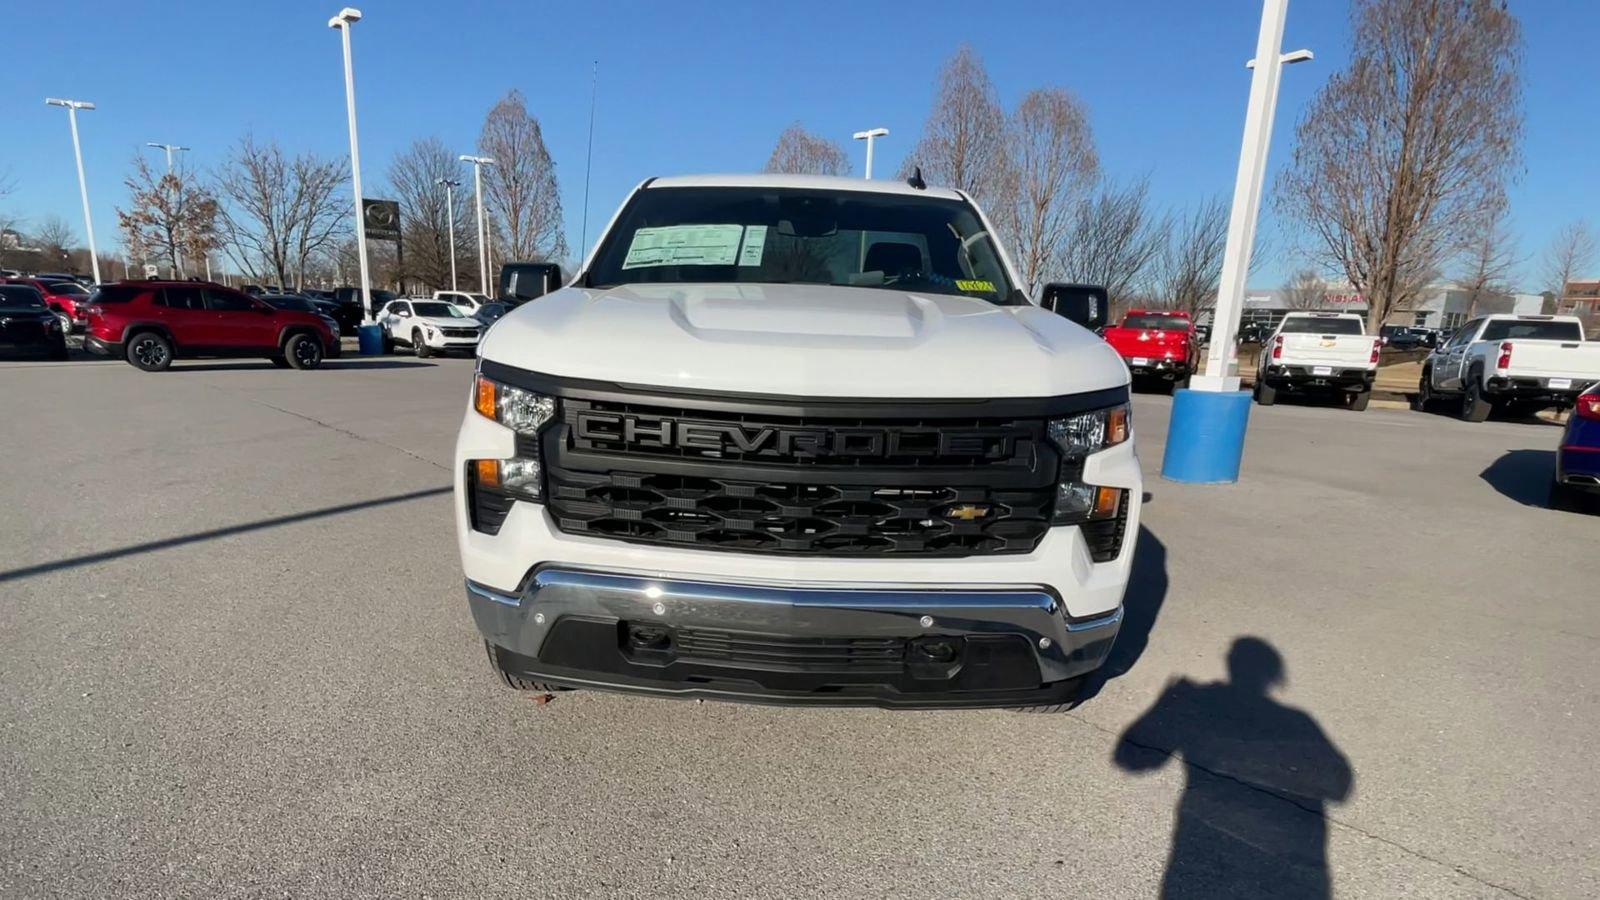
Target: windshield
x,y
1534,330
1313,325
439,310
1155,322
68,287
750,235
20,296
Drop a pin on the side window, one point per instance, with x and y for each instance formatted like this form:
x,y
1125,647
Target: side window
x,y
227,301
401,308
183,298
1464,335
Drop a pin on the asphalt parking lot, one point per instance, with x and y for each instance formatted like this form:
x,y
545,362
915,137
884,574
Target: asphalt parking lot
x,y
236,661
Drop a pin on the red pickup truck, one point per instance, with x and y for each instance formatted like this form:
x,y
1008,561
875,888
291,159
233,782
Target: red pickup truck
x,y
1157,344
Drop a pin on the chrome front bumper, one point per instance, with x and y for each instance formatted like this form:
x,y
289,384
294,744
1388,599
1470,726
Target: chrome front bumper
x,y
526,625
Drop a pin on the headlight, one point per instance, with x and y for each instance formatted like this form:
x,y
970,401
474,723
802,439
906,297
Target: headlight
x,y
1080,435
1077,437
520,410
524,412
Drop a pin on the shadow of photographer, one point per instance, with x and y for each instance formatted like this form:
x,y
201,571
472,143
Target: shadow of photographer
x,y
1252,818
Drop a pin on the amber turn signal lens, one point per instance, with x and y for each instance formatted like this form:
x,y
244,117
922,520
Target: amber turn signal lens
x,y
488,471
1106,502
483,399
1116,428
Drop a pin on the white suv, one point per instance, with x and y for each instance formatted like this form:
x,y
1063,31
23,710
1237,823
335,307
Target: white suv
x,y
428,327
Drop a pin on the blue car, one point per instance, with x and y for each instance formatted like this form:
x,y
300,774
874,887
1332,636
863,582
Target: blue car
x,y
1577,481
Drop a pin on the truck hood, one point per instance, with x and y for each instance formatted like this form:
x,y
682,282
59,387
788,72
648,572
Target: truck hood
x,y
803,340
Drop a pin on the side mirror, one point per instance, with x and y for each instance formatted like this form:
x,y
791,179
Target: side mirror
x,y
1086,304
524,281
404,313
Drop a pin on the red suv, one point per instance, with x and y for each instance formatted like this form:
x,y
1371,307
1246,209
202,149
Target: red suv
x,y
64,298
151,323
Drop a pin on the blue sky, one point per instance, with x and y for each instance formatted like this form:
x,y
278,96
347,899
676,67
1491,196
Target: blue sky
x,y
702,87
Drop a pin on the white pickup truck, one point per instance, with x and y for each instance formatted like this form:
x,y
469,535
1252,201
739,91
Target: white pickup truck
x,y
799,439
1515,363
468,302
1318,353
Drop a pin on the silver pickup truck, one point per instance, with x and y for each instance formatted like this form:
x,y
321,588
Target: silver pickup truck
x,y
1512,363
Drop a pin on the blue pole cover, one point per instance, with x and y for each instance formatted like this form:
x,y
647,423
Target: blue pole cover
x,y
1205,438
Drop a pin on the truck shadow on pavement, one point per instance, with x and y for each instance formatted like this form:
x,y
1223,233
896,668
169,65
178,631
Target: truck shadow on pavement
x,y
1141,604
1523,475
89,559
1252,820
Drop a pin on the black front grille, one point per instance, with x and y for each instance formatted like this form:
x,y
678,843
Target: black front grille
x,y
763,651
644,430
459,332
779,517
828,477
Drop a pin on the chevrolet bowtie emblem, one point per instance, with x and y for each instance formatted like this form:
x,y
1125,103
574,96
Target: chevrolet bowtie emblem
x,y
966,512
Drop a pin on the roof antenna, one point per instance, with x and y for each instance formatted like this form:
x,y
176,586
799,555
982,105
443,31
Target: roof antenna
x,y
916,179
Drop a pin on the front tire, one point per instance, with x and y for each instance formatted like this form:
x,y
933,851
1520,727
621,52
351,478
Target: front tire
x,y
1425,398
418,344
149,351
303,352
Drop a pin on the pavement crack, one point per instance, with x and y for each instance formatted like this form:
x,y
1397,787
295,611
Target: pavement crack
x,y
348,433
1221,776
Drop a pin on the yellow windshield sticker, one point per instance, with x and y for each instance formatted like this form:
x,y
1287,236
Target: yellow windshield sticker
x,y
985,286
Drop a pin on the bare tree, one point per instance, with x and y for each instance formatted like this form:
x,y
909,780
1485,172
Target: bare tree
x,y
799,152
279,214
1305,290
520,189
55,237
1189,266
1053,166
1487,259
168,216
415,180
1399,155
1566,260
962,144
1112,238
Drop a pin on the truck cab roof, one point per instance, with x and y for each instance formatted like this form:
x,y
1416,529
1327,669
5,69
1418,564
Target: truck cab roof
x,y
802,182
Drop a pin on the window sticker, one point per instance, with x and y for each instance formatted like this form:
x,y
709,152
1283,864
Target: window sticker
x,y
755,243
974,285
685,245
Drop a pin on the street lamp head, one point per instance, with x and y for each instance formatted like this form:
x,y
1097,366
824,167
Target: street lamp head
x,y
871,133
448,182
347,16
69,104
477,160
1290,59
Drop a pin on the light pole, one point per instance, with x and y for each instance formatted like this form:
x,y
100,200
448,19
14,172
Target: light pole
x,y
478,162
72,107
1206,435
346,18
450,185
869,136
170,148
